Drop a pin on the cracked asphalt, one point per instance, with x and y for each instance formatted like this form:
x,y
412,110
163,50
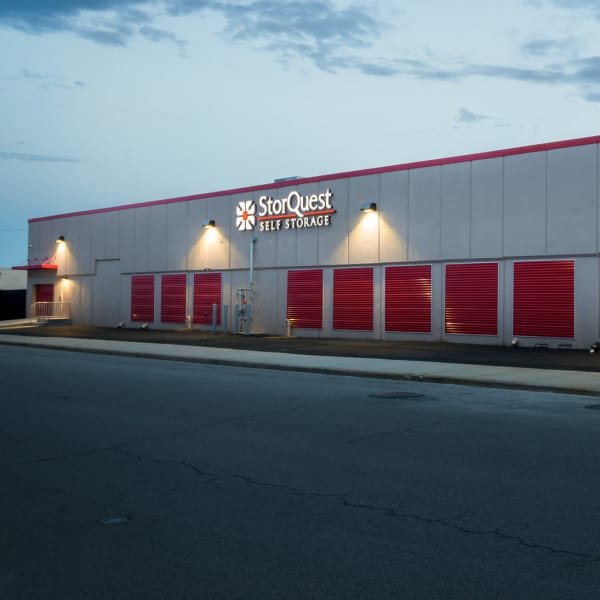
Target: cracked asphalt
x,y
240,483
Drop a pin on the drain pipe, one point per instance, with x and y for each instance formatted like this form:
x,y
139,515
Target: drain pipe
x,y
252,242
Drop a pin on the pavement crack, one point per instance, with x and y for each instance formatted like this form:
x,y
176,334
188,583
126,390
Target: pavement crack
x,y
392,512
182,463
57,457
392,431
289,488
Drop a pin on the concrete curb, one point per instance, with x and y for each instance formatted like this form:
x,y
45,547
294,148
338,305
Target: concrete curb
x,y
573,382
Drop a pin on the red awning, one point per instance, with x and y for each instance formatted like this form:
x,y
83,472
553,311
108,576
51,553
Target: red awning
x,y
34,267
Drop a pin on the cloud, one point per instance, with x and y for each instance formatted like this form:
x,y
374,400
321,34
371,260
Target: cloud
x,y
331,38
46,81
35,157
549,47
315,26
466,116
593,5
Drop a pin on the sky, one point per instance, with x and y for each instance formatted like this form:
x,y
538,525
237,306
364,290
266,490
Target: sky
x,y
112,102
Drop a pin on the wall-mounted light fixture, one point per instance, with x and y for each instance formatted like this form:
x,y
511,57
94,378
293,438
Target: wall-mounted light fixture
x,y
368,207
60,239
210,223
65,277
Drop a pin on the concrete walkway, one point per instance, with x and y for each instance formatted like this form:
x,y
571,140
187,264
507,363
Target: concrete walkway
x,y
576,382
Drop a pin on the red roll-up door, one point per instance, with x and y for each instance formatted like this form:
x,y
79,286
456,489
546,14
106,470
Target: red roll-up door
x,y
472,298
408,298
305,298
544,298
173,293
142,298
207,291
353,299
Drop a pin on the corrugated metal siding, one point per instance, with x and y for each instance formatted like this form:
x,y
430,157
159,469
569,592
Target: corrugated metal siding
x,y
305,298
173,293
142,298
544,298
207,291
353,299
472,298
408,298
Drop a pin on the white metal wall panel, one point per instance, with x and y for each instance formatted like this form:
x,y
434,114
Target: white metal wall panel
x,y
196,244
177,242
525,204
265,248
307,240
424,214
333,243
393,220
486,208
157,251
106,293
105,236
219,211
587,301
267,315
288,252
141,240
456,211
239,241
69,263
86,260
363,233
127,239
572,189
112,250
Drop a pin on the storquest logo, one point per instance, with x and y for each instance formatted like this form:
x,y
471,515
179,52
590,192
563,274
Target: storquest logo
x,y
245,213
294,211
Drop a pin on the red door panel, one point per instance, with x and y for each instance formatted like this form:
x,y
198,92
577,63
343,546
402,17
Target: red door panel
x,y
544,298
142,298
472,299
353,299
173,294
207,291
408,298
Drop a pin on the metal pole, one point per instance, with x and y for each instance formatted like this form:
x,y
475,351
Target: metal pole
x,y
225,318
214,319
252,242
248,318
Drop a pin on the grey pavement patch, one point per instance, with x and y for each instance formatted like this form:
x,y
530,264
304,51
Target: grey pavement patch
x,y
120,520
397,395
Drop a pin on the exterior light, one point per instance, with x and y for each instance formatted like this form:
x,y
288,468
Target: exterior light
x,y
60,239
210,223
595,347
65,277
369,207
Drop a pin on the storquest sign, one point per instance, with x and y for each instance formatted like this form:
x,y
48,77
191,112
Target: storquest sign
x,y
294,211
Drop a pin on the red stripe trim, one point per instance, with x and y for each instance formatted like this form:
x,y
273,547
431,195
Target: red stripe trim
x,y
294,215
343,175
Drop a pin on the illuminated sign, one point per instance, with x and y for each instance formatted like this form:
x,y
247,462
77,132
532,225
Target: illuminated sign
x,y
294,211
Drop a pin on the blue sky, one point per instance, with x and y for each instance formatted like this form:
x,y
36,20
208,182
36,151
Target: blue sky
x,y
107,102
